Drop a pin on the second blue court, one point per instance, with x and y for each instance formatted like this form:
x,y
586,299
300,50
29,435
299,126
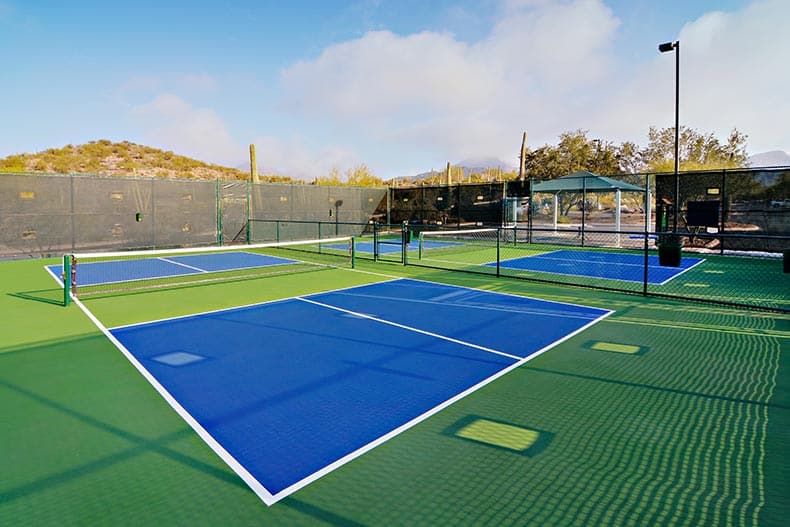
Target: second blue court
x,y
114,271
287,390
606,265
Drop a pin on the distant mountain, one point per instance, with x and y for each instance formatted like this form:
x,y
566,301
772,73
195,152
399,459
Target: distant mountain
x,y
486,163
467,166
774,158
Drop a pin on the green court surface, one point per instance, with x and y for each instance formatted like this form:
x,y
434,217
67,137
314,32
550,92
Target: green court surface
x,y
664,413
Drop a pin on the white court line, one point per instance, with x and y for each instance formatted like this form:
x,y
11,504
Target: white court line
x,y
409,328
231,461
246,306
681,272
257,487
57,278
168,260
483,307
542,256
429,413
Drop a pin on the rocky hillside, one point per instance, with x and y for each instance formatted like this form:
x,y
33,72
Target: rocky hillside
x,y
120,159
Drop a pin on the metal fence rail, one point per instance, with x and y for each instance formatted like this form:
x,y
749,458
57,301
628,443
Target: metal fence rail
x,y
647,263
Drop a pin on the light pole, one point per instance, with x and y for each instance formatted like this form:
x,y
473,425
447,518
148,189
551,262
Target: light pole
x,y
664,48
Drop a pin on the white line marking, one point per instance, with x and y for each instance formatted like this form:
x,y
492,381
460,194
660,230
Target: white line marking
x,y
237,467
505,293
409,328
57,278
541,256
168,260
245,306
680,273
417,420
267,497
486,307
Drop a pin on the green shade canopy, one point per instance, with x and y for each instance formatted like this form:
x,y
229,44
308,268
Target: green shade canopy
x,y
584,181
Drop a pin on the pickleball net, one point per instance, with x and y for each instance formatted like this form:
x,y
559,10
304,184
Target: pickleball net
x,y
446,243
107,273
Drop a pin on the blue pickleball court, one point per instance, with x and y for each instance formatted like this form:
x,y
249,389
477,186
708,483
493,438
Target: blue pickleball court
x,y
286,391
606,265
115,271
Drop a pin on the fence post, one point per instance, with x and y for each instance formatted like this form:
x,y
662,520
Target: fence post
x,y
73,216
249,209
498,259
66,280
375,241
218,199
724,211
404,242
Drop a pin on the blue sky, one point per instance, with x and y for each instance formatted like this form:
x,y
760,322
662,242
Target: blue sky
x,y
403,86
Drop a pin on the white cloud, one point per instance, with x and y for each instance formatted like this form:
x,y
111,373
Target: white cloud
x,y
548,67
733,74
294,158
382,74
170,122
463,100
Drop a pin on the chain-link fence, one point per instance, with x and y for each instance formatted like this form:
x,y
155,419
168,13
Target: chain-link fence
x,y
53,214
717,236
301,212
45,215
647,263
458,205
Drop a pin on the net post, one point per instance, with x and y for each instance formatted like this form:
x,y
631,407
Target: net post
x,y
404,243
498,259
66,280
218,200
375,241
419,248
353,250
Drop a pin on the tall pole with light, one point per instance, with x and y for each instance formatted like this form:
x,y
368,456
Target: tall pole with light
x,y
664,48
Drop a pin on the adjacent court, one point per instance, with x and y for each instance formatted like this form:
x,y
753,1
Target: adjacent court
x,y
395,246
288,390
607,265
113,271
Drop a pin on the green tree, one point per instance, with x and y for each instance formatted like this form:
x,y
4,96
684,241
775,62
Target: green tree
x,y
696,151
573,153
629,157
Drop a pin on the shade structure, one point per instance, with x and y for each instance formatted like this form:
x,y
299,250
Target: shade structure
x,y
585,182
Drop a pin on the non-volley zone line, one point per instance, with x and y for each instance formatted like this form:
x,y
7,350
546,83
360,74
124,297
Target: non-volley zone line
x,y
289,390
606,265
117,271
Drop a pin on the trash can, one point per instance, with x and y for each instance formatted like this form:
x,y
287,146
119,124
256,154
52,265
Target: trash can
x,y
669,250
